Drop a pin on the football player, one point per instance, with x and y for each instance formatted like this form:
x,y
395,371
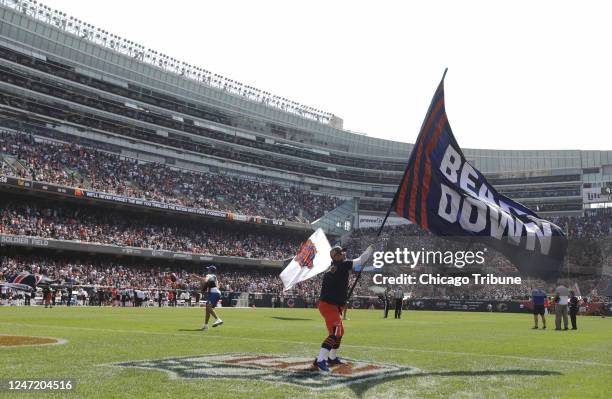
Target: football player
x,y
334,292
210,286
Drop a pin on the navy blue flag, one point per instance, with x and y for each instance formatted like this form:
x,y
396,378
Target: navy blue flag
x,y
444,194
26,281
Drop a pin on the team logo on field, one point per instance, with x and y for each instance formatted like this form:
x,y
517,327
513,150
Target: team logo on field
x,y
306,254
272,368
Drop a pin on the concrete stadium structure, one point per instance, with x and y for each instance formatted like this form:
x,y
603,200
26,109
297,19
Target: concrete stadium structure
x,y
61,77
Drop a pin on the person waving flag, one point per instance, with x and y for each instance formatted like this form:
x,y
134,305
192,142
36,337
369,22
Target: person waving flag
x,y
332,303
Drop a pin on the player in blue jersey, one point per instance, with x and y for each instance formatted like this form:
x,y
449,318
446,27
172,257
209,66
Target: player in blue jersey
x,y
537,297
210,285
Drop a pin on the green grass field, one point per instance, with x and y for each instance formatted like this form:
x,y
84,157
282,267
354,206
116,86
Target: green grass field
x,y
458,355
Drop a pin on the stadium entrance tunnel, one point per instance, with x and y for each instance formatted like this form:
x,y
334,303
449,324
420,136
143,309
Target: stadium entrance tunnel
x,y
11,341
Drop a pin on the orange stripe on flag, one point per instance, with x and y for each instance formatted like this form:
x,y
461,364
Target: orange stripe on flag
x,y
417,167
427,176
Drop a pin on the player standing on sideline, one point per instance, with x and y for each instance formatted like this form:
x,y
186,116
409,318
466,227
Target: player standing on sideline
x,y
537,297
573,309
385,299
334,291
561,301
399,300
210,285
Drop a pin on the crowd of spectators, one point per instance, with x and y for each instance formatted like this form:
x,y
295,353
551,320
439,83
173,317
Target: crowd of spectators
x,y
108,274
78,166
589,253
44,219
88,224
586,227
74,223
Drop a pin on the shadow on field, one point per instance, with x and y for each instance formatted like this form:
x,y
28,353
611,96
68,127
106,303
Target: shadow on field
x,y
189,329
289,318
360,389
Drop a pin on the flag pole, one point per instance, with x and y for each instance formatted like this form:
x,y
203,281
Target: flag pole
x,y
350,293
380,229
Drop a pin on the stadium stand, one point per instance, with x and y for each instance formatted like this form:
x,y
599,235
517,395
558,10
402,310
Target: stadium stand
x,y
82,269
83,112
97,225
78,166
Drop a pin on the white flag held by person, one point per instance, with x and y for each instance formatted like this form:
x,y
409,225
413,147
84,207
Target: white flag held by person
x,y
577,290
312,259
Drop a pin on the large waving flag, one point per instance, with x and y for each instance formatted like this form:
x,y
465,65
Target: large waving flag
x,y
26,281
443,193
312,259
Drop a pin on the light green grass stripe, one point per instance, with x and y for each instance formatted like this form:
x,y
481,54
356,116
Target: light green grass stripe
x,y
365,347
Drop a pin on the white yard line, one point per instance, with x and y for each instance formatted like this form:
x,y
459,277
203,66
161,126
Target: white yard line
x,y
365,347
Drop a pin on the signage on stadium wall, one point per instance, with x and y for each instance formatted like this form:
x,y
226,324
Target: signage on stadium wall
x,y
53,188
67,245
87,194
23,241
368,221
595,195
180,208
15,182
152,204
366,302
585,309
131,251
467,305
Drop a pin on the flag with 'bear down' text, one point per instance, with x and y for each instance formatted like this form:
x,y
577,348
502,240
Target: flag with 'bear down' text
x,y
445,194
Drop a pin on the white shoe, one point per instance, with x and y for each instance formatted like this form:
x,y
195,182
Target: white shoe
x,y
217,323
205,327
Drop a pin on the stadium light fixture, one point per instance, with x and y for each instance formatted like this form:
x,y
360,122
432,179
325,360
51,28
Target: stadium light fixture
x,y
99,36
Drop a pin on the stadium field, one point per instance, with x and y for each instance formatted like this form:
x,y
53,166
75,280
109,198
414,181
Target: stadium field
x,y
423,355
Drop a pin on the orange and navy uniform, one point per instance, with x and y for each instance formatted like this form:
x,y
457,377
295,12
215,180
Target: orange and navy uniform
x,y
332,300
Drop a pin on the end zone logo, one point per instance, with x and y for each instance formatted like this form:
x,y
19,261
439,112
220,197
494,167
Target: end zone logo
x,y
306,254
272,368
